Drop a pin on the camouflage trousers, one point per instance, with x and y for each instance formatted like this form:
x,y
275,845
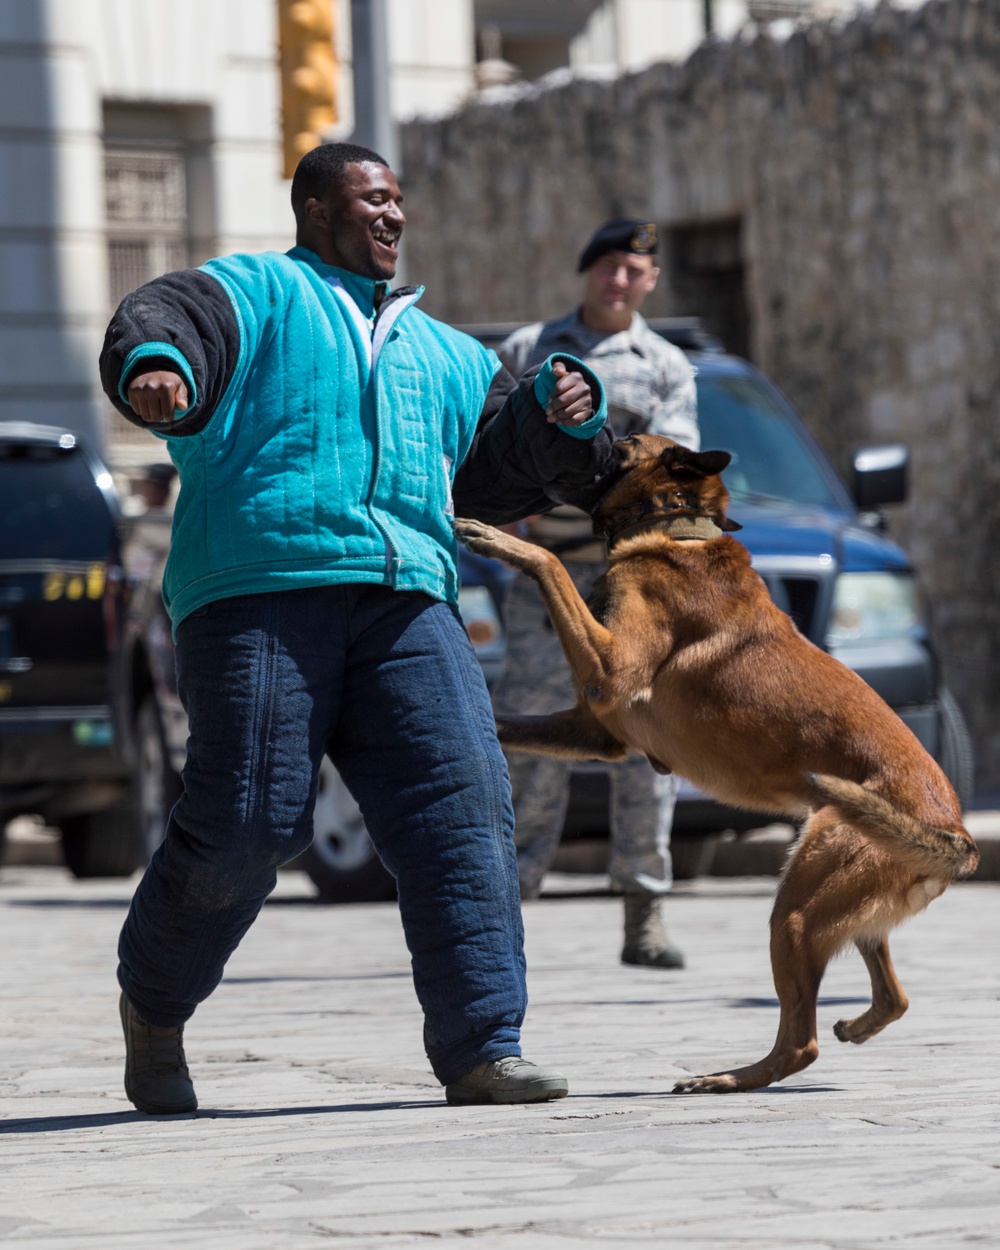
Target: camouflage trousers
x,y
537,680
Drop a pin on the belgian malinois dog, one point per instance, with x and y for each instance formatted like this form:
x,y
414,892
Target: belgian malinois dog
x,y
682,655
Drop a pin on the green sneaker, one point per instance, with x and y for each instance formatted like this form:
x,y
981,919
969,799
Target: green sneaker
x,y
507,1080
156,1072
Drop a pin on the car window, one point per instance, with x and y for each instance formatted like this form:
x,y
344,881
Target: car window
x,y
50,506
771,458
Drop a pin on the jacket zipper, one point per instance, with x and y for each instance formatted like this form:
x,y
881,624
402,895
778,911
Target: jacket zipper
x,y
392,560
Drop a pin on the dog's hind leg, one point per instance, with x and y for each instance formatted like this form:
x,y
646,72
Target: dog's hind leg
x,y
798,966
889,1001
807,928
570,735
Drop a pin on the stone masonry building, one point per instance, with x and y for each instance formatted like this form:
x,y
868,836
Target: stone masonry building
x,y
829,202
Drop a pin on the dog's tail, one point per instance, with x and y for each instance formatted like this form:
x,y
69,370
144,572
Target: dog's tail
x,y
923,847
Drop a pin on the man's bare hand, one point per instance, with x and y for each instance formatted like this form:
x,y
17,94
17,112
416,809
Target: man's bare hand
x,y
570,402
154,396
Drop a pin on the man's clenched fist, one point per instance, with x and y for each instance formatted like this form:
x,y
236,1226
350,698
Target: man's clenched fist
x,y
570,402
154,396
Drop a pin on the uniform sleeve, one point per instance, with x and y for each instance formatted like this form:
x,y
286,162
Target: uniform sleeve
x,y
519,463
183,322
674,412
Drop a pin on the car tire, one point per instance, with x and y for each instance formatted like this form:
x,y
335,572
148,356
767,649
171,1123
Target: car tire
x,y
957,757
156,787
101,844
341,862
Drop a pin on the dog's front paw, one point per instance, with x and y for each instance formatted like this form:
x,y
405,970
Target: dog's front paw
x,y
720,1083
487,540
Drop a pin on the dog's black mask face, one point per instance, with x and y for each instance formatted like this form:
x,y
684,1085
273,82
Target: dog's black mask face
x,y
649,467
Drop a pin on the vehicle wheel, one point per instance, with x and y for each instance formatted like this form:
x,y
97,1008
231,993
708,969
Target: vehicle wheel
x,y
957,758
155,785
342,862
101,844
691,854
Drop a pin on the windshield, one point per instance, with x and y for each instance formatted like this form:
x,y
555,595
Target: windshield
x,y
771,459
50,506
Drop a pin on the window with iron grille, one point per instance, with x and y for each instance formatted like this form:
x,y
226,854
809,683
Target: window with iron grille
x,y
146,210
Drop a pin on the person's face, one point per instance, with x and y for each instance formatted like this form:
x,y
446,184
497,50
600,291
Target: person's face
x,y
360,223
618,282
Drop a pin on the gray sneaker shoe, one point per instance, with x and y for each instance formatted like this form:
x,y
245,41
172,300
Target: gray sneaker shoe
x,y
646,941
156,1072
505,1081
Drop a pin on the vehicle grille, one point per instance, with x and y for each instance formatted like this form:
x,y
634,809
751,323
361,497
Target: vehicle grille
x,y
800,604
797,593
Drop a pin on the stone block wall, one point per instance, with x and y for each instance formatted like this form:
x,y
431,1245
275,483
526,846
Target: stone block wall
x,y
863,161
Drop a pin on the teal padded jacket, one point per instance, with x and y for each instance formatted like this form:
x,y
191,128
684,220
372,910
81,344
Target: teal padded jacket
x,y
327,422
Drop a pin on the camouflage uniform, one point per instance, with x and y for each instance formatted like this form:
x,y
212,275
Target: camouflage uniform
x,y
650,388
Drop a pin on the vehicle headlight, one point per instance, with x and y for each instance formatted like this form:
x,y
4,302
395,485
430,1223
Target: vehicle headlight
x,y
482,624
873,607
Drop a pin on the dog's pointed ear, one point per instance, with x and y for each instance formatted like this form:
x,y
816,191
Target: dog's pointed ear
x,y
729,525
695,463
713,462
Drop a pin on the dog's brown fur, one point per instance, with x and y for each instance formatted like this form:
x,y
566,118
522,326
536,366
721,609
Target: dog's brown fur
x,y
684,657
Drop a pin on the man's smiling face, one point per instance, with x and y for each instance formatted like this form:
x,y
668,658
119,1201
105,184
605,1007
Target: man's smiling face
x,y
360,222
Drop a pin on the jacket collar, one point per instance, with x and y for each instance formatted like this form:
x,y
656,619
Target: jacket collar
x,y
367,293
572,329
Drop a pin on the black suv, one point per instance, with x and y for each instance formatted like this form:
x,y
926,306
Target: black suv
x,y
59,569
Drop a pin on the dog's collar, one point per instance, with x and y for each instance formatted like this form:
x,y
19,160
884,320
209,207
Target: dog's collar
x,y
647,516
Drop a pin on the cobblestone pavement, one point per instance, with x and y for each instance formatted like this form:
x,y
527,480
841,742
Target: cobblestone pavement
x,y
321,1124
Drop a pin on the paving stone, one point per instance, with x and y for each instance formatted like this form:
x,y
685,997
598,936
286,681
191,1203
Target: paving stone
x,y
320,1121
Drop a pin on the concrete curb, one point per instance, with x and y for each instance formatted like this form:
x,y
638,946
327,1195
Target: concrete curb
x,y
759,853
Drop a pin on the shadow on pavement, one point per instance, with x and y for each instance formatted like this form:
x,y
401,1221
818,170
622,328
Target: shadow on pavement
x,y
864,1000
680,1076
337,976
120,903
66,1123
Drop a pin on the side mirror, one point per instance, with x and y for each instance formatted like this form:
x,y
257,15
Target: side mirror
x,y
880,476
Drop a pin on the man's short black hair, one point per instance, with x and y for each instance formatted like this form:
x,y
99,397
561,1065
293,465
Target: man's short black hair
x,y
326,167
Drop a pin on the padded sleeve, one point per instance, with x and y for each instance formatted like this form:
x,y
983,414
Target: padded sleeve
x,y
184,322
519,463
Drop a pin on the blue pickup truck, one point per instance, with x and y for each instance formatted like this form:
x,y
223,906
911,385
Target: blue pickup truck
x,y
822,550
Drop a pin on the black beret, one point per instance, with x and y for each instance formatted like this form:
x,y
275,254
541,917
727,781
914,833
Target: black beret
x,y
620,234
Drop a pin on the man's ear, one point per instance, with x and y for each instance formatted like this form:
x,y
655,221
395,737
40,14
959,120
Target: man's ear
x,y
315,211
695,463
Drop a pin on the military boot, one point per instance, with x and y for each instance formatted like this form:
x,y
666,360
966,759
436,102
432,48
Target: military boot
x,y
156,1072
646,941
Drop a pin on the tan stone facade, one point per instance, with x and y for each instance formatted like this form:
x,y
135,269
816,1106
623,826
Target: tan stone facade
x,y
862,164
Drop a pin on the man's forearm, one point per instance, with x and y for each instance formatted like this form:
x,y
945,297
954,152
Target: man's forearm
x,y
517,458
182,323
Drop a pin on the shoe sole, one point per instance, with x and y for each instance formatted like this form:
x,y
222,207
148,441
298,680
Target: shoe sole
x,y
637,961
540,1091
152,1108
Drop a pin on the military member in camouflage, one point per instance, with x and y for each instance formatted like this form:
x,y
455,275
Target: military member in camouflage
x,y
650,388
